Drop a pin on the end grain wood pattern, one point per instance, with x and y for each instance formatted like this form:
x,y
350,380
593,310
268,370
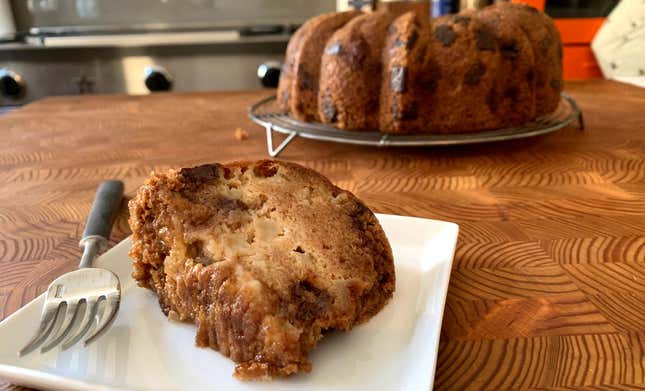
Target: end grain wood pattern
x,y
548,285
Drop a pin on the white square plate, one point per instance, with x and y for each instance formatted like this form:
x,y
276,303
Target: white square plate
x,y
397,349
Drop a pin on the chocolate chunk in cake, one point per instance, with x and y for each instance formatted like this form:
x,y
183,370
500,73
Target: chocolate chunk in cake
x,y
445,34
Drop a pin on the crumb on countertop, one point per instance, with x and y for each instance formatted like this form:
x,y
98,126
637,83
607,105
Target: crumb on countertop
x,y
241,134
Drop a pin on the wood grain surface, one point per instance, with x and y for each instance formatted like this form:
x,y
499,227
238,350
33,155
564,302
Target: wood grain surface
x,y
548,285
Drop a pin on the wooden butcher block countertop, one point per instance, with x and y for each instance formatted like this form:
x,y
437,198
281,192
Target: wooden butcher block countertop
x,y
548,284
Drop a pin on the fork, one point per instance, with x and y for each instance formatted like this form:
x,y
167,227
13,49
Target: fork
x,y
85,288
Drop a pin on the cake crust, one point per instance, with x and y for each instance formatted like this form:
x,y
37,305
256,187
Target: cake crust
x,y
350,73
263,257
512,98
468,66
496,67
547,50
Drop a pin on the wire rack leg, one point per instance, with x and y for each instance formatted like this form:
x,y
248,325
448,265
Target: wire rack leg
x,y
581,121
576,108
274,152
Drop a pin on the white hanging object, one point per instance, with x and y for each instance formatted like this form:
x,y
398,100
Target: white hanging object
x,y
619,45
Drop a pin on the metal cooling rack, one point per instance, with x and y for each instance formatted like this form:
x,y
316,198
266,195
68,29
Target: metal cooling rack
x,y
267,114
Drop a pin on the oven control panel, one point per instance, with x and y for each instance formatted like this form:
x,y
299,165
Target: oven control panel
x,y
30,74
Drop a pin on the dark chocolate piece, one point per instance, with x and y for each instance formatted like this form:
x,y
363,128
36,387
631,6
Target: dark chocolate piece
x,y
462,20
485,39
409,112
412,40
200,174
512,93
474,74
305,81
510,49
445,34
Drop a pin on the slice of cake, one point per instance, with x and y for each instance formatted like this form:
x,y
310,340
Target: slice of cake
x,y
263,257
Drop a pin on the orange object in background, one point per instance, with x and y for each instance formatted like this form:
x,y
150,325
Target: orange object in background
x,y
578,60
539,4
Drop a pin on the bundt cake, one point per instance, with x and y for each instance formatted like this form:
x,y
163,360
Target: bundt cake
x,y
496,67
263,256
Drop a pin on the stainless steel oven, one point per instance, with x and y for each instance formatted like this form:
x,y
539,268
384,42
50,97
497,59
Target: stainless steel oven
x,y
137,47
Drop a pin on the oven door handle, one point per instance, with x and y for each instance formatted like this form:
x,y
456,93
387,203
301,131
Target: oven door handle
x,y
133,40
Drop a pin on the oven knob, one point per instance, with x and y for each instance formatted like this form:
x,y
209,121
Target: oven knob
x,y
157,79
11,84
269,74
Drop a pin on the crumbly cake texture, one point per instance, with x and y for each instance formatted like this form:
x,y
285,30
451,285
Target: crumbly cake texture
x,y
477,70
263,257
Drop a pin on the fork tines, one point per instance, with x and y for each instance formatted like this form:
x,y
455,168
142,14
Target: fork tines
x,y
74,319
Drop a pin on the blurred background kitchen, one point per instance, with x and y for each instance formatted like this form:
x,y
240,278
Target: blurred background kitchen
x,y
67,47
